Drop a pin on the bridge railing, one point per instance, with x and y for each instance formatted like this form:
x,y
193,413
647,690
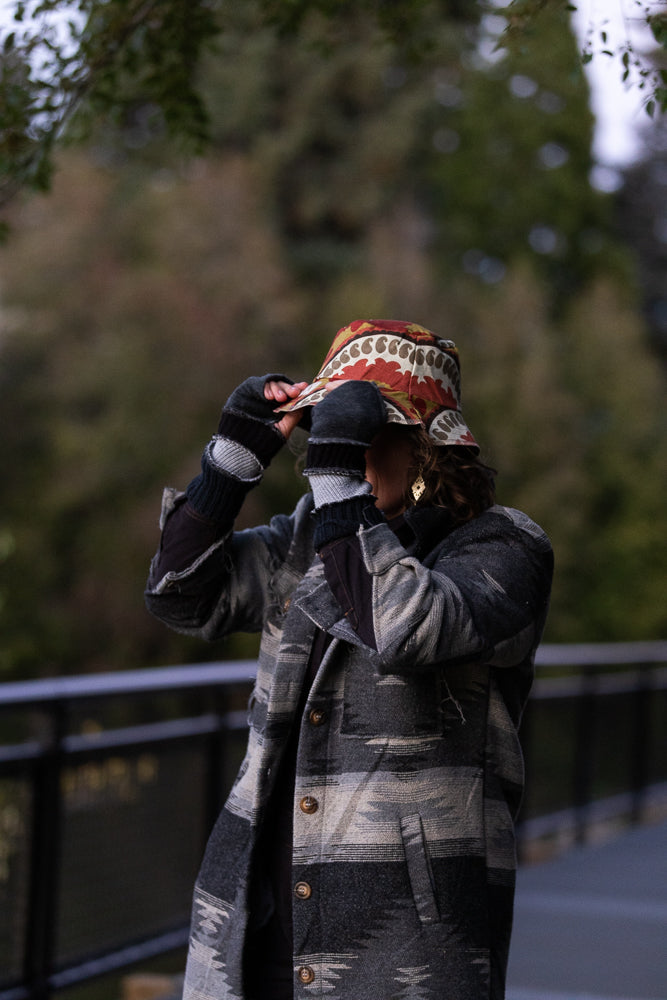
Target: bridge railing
x,y
109,785
593,738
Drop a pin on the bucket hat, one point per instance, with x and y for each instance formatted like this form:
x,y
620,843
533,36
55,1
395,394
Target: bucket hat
x,y
418,374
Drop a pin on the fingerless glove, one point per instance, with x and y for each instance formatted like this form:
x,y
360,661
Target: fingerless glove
x,y
343,426
244,446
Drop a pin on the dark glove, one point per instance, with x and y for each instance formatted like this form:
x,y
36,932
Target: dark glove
x,y
248,418
353,413
248,399
343,426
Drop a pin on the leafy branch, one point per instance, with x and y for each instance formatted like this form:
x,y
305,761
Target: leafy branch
x,y
637,67
68,66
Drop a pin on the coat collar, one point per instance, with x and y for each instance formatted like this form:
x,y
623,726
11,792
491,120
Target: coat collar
x,y
428,526
419,529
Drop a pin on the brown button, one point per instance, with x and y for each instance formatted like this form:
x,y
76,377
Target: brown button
x,y
305,974
317,716
287,604
302,890
308,804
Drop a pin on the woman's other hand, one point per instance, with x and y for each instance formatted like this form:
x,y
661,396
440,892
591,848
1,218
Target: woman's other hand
x,y
354,412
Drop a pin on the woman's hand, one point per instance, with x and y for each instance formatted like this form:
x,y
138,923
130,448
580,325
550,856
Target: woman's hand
x,y
279,393
352,411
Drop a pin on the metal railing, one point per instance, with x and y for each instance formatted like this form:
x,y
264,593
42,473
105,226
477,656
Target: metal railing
x,y
609,702
109,785
71,762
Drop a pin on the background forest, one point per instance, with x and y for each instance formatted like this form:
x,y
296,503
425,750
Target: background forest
x,y
344,180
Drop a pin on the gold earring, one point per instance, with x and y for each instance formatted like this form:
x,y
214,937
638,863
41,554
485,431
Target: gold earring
x,y
418,488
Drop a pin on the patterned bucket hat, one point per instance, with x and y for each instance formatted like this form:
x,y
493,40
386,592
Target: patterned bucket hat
x,y
418,374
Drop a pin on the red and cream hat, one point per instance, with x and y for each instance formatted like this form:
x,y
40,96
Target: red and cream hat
x,y
417,373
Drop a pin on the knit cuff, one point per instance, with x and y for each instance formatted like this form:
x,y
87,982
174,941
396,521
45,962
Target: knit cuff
x,y
335,456
332,487
264,440
218,496
336,520
234,459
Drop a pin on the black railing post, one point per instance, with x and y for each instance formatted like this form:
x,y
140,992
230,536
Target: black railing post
x,y
641,742
46,829
584,753
525,733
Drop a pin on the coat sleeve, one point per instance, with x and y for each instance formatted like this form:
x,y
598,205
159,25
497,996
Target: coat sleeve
x,y
226,586
483,595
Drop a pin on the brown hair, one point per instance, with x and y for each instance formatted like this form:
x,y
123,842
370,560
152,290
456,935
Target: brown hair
x,y
455,478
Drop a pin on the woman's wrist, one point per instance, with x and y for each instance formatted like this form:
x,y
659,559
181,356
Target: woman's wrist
x,y
335,456
234,458
345,517
216,495
263,440
332,487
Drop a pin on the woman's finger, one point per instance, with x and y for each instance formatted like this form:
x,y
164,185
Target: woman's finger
x,y
280,392
330,386
288,422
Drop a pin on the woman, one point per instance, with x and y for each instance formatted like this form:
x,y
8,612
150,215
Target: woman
x,y
366,850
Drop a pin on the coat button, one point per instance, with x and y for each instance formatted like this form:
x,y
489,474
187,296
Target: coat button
x,y
317,716
302,890
305,974
287,603
308,804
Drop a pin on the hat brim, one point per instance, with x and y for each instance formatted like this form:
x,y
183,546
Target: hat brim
x,y
447,428
309,396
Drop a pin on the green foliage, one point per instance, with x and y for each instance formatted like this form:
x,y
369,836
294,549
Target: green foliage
x,y
402,22
144,288
498,148
620,392
642,68
643,217
114,386
66,65
25,144
69,65
571,411
509,157
334,137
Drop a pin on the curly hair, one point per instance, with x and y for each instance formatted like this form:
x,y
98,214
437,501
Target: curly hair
x,y
454,476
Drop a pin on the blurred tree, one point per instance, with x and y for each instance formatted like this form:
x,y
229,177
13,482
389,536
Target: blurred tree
x,y
164,289
493,145
145,288
643,222
621,391
137,61
571,411
508,161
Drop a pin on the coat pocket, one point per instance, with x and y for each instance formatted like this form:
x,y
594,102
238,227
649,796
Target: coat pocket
x,y
390,705
419,870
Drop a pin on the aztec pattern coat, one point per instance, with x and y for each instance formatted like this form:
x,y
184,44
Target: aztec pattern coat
x,y
409,769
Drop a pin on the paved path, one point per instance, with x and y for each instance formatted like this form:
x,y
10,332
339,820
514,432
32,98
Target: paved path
x,y
592,924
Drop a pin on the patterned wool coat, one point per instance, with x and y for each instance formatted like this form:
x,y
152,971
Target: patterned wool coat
x,y
409,769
